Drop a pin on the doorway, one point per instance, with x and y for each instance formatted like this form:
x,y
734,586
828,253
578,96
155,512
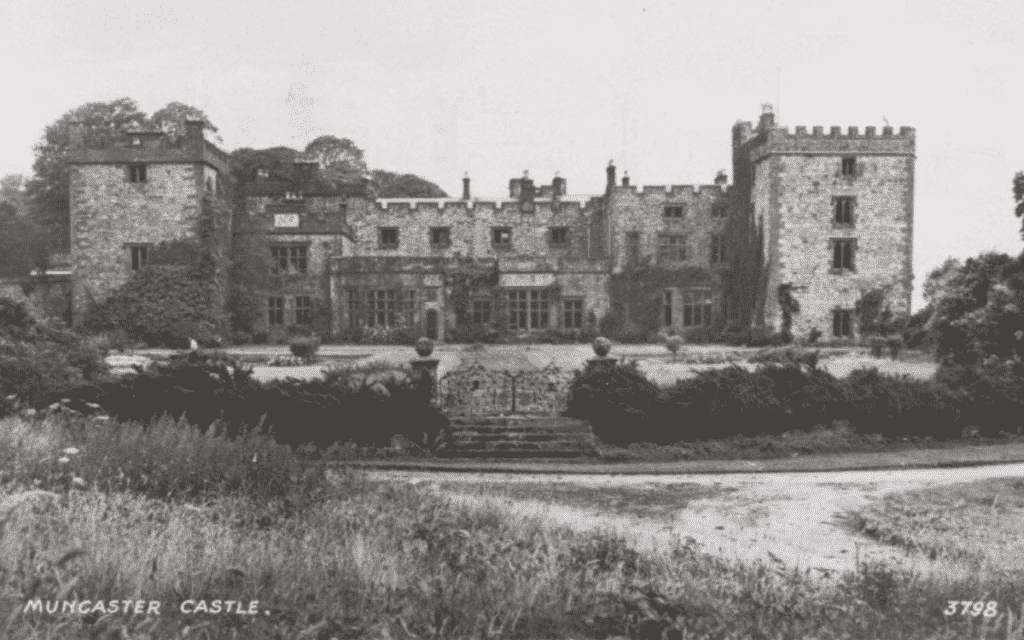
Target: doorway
x,y
432,324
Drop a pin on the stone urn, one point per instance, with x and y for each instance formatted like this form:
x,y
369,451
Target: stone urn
x,y
602,346
424,347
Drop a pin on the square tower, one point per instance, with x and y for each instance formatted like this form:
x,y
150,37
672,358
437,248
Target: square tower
x,y
832,215
142,189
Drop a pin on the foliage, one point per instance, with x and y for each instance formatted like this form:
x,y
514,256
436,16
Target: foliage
x,y
339,159
206,388
305,348
1018,197
161,305
874,313
638,292
386,184
673,343
276,163
620,403
22,243
40,359
172,118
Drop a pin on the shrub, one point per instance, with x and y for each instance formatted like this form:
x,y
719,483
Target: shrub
x,y
895,344
672,343
877,345
620,403
900,406
305,348
814,335
990,396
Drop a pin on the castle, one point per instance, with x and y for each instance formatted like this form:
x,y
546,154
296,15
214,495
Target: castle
x,y
811,222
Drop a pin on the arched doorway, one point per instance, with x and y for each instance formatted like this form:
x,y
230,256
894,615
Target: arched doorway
x,y
432,324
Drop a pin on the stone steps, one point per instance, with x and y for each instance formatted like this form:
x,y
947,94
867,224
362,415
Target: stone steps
x,y
517,437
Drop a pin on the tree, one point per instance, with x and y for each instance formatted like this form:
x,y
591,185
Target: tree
x,y
275,163
406,185
1018,197
339,159
48,189
172,118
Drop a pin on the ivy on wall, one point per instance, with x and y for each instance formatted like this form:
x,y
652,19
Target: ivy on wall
x,y
637,295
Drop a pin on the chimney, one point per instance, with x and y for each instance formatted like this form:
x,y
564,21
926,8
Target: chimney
x,y
625,178
557,186
767,120
77,136
305,171
194,129
611,174
721,178
526,193
465,187
515,187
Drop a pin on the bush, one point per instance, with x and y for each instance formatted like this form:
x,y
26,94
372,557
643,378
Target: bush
x,y
990,396
877,345
38,359
203,389
620,403
305,348
814,335
900,407
895,344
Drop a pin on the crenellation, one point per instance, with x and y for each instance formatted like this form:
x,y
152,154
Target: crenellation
x,y
835,132
818,131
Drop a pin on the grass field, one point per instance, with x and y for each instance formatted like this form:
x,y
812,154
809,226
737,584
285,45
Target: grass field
x,y
84,519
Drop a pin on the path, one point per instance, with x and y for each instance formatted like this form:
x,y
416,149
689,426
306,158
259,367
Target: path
x,y
791,516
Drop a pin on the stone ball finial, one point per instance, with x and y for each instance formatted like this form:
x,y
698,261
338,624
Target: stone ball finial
x,y
602,346
424,347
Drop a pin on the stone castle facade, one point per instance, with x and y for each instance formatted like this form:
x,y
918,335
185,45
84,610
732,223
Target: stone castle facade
x,y
811,222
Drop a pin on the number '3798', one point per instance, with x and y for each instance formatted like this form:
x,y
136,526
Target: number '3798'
x,y
974,608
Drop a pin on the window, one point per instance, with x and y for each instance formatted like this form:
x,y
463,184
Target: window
x,y
850,166
389,237
698,307
675,211
380,308
482,312
501,236
671,248
842,255
136,173
528,309
430,294
668,308
209,185
275,311
303,310
633,247
410,307
440,237
140,256
291,259
718,210
559,236
718,247
842,208
842,323
572,313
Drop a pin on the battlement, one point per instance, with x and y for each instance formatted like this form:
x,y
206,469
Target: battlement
x,y
457,206
678,190
852,133
836,141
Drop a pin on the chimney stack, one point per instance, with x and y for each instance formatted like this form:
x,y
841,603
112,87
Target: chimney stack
x,y
625,178
721,178
557,186
611,174
526,193
767,120
194,129
465,187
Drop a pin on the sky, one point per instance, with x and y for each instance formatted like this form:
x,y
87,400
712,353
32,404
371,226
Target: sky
x,y
492,89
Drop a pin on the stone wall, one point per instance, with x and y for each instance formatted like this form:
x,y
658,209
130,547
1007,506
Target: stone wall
x,y
108,214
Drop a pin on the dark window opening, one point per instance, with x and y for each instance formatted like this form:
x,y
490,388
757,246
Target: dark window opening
x,y
698,307
849,166
841,323
501,236
559,235
671,248
842,255
572,313
528,309
675,211
381,308
303,310
389,237
668,308
137,173
482,312
140,256
440,237
632,247
289,259
718,210
275,311
842,208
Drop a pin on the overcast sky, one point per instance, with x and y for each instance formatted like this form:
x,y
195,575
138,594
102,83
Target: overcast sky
x,y
439,88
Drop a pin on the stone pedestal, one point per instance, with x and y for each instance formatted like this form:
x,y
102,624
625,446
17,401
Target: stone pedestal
x,y
603,363
425,369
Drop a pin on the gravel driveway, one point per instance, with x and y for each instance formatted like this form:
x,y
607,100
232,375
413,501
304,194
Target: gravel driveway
x,y
792,519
